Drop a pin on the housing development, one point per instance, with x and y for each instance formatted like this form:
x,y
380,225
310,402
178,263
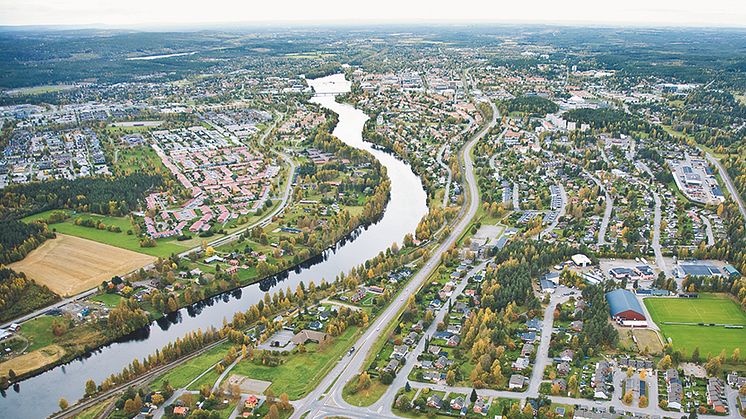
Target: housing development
x,y
487,221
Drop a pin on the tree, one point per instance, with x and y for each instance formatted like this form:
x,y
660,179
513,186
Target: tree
x,y
450,377
665,363
157,399
627,398
363,381
695,355
736,355
90,388
63,403
473,396
273,412
285,401
643,401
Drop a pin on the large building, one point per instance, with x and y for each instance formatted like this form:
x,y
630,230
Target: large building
x,y
625,308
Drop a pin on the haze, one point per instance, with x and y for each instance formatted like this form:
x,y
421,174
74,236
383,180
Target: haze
x,y
189,12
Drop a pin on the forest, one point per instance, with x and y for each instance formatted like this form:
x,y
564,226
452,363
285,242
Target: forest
x,y
534,105
20,295
106,196
17,239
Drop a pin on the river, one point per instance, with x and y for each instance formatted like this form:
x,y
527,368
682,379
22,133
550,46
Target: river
x,y
38,396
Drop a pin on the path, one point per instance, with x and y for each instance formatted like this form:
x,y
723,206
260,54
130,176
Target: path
x,y
448,170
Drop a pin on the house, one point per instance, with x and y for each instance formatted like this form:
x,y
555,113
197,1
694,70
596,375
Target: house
x,y
577,325
563,368
457,403
481,406
434,349
315,325
426,364
520,364
581,260
391,366
567,355
453,340
417,327
400,351
442,362
560,383
599,383
309,336
533,325
675,394
435,401
527,349
181,411
516,381
716,395
251,402
411,338
454,328
528,337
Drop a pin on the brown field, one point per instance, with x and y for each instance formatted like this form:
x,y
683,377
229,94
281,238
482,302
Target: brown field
x,y
647,338
32,360
69,265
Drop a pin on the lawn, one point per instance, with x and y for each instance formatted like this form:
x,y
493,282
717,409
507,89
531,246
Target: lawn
x,y
39,332
708,308
364,397
123,240
183,374
110,300
301,372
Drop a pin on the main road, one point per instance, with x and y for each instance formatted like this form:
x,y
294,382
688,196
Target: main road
x,y
329,392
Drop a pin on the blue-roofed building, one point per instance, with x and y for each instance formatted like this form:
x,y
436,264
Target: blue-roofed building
x,y
623,306
731,270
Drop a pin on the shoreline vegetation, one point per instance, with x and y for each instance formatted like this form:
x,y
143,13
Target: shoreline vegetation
x,y
132,316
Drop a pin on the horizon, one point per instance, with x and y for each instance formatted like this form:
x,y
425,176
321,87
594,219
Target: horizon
x,y
139,14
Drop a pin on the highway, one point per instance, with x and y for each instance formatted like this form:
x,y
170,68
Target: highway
x,y
729,185
319,399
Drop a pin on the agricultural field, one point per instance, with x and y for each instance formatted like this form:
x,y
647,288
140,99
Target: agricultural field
x,y
69,265
119,239
708,308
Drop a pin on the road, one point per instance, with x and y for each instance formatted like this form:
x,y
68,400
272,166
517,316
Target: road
x,y
708,230
319,399
729,185
285,199
609,207
560,213
448,170
657,217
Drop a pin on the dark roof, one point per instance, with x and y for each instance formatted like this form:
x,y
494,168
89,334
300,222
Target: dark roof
x,y
622,300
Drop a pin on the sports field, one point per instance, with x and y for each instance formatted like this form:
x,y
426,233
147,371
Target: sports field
x,y
69,265
708,308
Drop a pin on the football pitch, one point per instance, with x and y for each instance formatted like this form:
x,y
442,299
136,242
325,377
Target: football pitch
x,y
708,308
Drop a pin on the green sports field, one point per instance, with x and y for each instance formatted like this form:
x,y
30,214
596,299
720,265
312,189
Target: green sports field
x,y
708,308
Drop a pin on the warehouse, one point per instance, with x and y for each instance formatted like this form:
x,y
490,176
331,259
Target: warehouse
x,y
625,308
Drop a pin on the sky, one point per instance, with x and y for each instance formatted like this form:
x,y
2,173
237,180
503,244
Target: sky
x,y
154,13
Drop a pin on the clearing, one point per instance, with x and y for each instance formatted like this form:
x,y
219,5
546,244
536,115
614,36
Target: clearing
x,y
32,360
69,265
708,308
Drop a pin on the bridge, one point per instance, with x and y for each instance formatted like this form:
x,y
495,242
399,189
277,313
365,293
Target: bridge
x,y
329,93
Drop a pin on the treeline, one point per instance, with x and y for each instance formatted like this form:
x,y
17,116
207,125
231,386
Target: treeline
x,y
17,239
104,195
534,105
20,295
597,332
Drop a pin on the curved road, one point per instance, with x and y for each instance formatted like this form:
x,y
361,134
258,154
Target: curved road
x,y
319,399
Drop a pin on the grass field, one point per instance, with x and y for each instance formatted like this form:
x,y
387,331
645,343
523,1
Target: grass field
x,y
185,373
69,265
364,397
32,360
708,308
301,372
123,240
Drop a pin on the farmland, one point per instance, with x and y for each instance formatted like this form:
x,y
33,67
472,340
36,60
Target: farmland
x,y
121,239
69,265
708,308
